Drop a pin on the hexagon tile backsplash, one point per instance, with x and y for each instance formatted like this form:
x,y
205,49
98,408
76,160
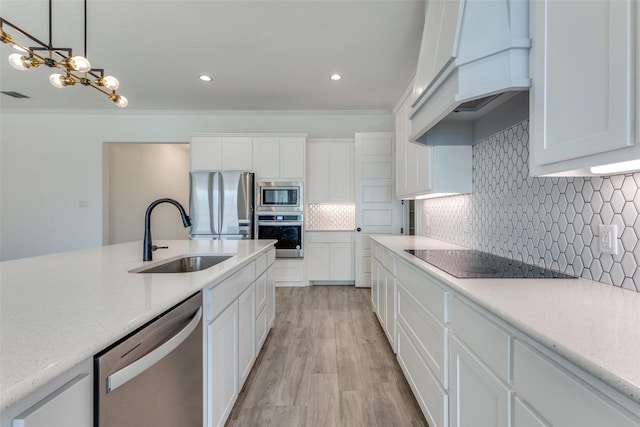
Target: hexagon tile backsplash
x,y
551,222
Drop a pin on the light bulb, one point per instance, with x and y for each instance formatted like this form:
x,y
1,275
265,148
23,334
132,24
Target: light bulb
x,y
111,83
79,63
18,62
57,80
119,100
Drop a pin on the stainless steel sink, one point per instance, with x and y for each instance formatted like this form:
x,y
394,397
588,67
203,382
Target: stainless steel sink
x,y
186,264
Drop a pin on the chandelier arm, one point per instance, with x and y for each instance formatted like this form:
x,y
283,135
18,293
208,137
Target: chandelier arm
x,y
23,32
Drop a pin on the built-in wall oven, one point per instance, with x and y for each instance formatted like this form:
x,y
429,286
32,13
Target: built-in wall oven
x,y
287,228
280,207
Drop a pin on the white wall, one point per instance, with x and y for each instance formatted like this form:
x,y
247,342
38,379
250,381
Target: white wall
x,y
51,163
138,174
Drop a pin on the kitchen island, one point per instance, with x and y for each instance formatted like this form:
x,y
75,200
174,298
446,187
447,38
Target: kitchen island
x,y
57,311
536,345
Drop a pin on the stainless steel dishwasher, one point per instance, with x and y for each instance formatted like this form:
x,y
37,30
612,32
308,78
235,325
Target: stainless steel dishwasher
x,y
154,376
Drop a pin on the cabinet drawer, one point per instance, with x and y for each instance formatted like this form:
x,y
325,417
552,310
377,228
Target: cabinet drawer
x,y
431,397
261,292
329,236
559,396
261,264
429,337
425,289
220,296
377,250
487,340
389,261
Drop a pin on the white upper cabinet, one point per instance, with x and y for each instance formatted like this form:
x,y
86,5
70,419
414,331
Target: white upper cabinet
x,y
266,157
221,153
423,170
583,103
330,171
471,50
269,156
279,157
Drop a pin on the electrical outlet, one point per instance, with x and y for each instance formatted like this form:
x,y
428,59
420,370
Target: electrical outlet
x,y
609,239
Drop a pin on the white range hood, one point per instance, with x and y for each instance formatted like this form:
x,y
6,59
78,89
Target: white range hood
x,y
472,53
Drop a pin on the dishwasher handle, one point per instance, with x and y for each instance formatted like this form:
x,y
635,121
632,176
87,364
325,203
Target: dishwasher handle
x,y
131,371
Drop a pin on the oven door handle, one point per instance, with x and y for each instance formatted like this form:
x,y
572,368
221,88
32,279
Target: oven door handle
x,y
131,371
278,223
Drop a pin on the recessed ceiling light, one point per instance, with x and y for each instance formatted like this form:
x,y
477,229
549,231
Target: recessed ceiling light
x,y
336,77
205,78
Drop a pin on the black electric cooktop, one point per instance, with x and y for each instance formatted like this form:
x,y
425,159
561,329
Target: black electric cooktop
x,y
467,263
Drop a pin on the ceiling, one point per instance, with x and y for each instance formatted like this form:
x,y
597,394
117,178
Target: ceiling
x,y
262,55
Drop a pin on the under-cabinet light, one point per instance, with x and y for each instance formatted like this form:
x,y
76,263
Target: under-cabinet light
x,y
616,168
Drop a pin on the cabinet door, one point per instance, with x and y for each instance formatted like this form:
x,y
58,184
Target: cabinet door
x,y
340,174
222,365
431,397
559,396
478,397
206,153
390,317
341,261
318,261
266,157
583,63
70,405
271,296
317,172
246,333
524,416
375,284
237,154
437,49
292,158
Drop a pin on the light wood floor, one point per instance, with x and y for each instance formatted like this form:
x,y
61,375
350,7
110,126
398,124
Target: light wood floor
x,y
326,363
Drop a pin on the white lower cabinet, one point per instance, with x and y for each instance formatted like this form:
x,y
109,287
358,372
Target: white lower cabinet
x,y
237,312
271,293
478,397
329,256
523,416
560,397
468,367
64,401
246,333
289,272
431,396
222,381
383,281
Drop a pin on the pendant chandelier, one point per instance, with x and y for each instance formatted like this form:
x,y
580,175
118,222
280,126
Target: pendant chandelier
x,y
75,69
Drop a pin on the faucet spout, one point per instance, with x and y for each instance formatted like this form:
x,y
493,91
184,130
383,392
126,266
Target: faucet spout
x,y
147,245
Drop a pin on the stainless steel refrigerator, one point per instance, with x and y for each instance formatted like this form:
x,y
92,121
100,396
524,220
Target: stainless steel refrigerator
x,y
221,205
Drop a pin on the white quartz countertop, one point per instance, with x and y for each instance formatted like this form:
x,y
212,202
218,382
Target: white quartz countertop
x,y
593,325
59,310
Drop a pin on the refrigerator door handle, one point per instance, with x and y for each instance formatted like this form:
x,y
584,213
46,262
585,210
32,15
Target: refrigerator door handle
x,y
220,202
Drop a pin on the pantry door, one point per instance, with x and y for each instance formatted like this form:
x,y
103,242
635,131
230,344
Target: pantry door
x,y
377,210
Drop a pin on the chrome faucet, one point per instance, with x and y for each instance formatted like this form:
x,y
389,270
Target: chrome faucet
x,y
148,248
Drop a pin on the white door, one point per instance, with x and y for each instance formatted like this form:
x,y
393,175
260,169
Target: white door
x,y
377,210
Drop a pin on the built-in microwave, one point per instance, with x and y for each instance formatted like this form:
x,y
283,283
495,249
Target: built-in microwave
x,y
280,196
